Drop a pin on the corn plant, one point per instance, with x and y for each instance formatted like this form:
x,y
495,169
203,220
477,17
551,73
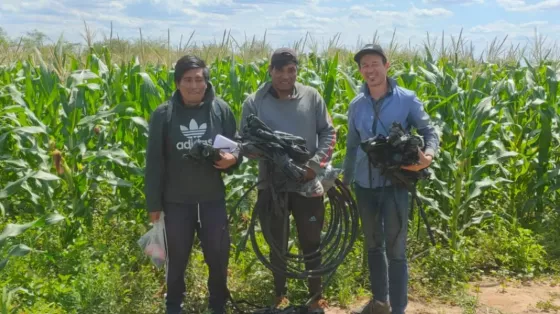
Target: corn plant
x,y
12,231
74,133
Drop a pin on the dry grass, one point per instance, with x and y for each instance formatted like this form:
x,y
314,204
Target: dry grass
x,y
161,51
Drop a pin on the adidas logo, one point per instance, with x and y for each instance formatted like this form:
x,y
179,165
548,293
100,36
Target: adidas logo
x,y
194,130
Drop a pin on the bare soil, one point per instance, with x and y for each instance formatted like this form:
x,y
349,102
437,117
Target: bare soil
x,y
490,297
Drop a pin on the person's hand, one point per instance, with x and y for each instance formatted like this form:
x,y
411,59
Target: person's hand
x,y
309,174
227,161
253,156
250,147
154,216
424,162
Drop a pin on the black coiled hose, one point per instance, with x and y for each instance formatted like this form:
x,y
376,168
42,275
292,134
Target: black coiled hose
x,y
341,212
336,243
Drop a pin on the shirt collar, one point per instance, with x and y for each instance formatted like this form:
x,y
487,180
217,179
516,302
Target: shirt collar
x,y
391,83
294,95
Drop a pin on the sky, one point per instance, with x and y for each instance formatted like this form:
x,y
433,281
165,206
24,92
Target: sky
x,y
287,21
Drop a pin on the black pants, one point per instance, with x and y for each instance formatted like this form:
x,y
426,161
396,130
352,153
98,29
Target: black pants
x,y
308,213
181,222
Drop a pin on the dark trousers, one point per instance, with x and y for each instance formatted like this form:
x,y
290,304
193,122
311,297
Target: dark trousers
x,y
181,222
308,213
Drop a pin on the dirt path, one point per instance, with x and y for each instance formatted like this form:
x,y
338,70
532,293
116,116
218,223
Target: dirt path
x,y
413,308
519,298
491,297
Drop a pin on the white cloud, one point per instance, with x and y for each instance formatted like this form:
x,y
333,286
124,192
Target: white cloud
x,y
522,6
517,32
359,11
222,5
460,2
198,15
494,27
209,2
19,5
441,12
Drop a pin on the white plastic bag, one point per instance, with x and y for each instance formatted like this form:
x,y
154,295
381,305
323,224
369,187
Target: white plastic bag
x,y
153,243
329,176
322,183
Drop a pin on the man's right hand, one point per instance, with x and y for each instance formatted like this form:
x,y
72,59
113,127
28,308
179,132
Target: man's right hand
x,y
154,216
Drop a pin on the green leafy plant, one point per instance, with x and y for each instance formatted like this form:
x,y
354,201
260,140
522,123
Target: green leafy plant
x,y
73,134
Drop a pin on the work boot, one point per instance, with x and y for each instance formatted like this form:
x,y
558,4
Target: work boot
x,y
373,307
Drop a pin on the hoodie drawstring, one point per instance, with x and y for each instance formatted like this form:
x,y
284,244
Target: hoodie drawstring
x,y
199,222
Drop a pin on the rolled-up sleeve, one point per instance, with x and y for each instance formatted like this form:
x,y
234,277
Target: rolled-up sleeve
x,y
420,119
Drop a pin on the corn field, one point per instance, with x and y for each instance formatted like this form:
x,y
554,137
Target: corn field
x,y
73,136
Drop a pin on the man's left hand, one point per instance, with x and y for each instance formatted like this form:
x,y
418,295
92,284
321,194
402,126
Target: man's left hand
x,y
227,161
424,162
309,174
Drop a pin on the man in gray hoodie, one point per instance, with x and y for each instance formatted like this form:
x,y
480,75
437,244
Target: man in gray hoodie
x,y
289,106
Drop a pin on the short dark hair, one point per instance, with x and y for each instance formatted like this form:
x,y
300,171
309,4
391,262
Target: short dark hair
x,y
187,63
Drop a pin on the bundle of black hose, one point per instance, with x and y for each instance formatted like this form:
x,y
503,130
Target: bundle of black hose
x,y
338,241
260,136
335,245
289,168
289,154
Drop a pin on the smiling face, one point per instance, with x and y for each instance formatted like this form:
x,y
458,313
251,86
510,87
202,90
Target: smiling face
x,y
193,86
284,78
373,69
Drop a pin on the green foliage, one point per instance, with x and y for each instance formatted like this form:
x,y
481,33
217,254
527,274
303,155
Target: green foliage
x,y
12,231
73,134
442,270
499,245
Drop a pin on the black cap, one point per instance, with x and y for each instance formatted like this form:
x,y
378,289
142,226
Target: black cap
x,y
284,55
369,49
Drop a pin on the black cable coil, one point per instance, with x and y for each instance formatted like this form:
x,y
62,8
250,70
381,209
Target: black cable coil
x,y
289,154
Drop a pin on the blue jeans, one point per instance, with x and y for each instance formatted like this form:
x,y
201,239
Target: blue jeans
x,y
384,217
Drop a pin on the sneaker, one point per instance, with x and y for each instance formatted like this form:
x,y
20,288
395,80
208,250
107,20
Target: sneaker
x,y
373,307
381,308
364,309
